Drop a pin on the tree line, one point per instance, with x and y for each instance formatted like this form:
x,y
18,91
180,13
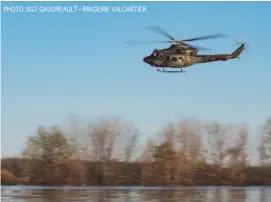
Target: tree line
x,y
114,153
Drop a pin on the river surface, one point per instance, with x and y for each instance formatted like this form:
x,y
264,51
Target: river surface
x,y
135,194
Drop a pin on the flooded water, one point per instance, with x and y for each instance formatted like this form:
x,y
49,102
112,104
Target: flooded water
x,y
135,194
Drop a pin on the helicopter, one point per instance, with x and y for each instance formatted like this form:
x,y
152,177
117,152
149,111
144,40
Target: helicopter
x,y
181,54
167,60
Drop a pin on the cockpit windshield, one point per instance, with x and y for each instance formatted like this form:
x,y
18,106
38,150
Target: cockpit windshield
x,y
154,53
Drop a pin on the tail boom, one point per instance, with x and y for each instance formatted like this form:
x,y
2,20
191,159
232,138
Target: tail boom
x,y
221,57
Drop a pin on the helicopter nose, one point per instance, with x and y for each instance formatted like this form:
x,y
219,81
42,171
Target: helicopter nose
x,y
145,59
148,60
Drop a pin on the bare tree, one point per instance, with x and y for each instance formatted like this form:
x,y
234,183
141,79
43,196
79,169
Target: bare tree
x,y
131,134
217,135
189,137
265,144
238,152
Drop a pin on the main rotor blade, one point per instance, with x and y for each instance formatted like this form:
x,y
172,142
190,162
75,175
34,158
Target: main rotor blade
x,y
151,42
199,47
211,36
161,31
145,42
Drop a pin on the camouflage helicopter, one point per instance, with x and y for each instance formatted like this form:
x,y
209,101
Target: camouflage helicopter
x,y
181,55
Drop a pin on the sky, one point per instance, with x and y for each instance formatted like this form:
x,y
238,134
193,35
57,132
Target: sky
x,y
56,65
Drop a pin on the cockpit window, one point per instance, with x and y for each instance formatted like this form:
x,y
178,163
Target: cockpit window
x,y
154,53
174,59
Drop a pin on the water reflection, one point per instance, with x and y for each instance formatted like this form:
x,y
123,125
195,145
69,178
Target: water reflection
x,y
133,195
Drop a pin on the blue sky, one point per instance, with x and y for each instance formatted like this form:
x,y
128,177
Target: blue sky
x,y
55,65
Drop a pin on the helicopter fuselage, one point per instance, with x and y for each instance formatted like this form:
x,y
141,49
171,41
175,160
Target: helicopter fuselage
x,y
167,60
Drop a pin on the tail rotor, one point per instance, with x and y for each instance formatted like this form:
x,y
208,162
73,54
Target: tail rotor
x,y
239,42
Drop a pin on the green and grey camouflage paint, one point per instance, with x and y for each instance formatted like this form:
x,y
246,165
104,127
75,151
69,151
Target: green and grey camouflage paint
x,y
187,57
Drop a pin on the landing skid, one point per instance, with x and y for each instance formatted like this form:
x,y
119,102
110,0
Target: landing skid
x,y
170,71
